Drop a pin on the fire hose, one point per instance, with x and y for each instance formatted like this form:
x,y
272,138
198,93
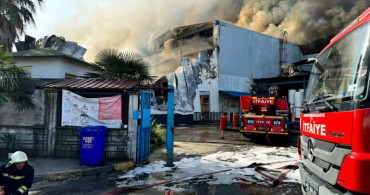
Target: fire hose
x,y
266,128
257,167
279,180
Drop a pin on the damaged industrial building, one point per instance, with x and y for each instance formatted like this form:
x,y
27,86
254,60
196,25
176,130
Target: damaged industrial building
x,y
212,64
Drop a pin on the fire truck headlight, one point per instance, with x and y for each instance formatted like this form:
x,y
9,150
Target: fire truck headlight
x,y
277,122
250,121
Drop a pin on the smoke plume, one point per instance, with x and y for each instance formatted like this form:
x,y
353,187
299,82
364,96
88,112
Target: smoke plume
x,y
127,25
130,25
304,20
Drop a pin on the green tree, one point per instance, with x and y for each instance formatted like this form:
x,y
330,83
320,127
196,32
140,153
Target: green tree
x,y
14,15
112,64
11,77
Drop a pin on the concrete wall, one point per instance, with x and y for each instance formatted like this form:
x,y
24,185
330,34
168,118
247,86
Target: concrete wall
x,y
32,140
245,54
32,117
68,143
44,137
52,67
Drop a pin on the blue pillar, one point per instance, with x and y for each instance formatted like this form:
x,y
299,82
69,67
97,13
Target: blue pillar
x,y
170,127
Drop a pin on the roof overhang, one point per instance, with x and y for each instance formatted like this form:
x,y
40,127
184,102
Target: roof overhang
x,y
235,93
94,84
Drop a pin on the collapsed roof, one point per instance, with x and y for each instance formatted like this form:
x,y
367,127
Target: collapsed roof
x,y
52,42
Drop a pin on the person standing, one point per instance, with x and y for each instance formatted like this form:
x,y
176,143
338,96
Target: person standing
x,y
16,177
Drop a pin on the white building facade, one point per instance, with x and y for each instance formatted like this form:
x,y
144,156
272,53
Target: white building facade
x,y
51,64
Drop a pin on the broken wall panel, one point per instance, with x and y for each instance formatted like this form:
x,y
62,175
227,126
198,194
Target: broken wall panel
x,y
190,79
183,101
200,78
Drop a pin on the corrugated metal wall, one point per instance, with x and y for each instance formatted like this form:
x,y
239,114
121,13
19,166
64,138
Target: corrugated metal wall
x,y
244,54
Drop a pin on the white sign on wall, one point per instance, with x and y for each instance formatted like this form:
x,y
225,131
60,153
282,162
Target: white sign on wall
x,y
81,111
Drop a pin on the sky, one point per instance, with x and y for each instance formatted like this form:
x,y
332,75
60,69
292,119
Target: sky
x,y
121,24
129,25
51,14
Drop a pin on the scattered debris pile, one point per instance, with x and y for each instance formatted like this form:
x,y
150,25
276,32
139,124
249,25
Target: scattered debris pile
x,y
227,168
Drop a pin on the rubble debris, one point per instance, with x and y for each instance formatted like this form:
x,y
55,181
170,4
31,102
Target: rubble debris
x,y
52,42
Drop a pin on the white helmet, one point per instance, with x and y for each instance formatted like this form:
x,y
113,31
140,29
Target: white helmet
x,y
17,157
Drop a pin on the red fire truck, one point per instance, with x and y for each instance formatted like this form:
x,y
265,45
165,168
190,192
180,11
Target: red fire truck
x,y
267,112
335,122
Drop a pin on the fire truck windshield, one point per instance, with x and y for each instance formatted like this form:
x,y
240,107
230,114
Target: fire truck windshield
x,y
341,70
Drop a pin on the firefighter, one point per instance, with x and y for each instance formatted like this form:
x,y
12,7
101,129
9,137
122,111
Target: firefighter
x,y
16,177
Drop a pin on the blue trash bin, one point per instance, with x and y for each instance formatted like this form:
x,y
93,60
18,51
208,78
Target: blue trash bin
x,y
92,144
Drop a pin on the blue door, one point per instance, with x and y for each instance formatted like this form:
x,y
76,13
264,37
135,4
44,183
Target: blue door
x,y
143,134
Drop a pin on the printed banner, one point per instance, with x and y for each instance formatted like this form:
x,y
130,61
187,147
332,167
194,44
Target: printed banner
x,y
81,111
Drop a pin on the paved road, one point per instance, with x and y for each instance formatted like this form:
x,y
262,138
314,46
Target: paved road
x,y
87,185
199,141
212,134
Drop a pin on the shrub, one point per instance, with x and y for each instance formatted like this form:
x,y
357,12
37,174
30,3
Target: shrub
x,y
9,140
156,135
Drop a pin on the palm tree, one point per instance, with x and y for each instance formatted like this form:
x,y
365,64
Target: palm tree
x,y
11,77
14,15
112,64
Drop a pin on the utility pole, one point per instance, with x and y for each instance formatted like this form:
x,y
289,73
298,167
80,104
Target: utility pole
x,y
170,126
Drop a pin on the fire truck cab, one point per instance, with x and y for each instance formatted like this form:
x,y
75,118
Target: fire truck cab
x,y
335,122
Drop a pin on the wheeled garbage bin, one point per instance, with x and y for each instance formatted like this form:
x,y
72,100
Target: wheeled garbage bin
x,y
92,144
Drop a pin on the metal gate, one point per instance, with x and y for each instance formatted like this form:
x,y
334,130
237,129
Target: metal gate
x,y
143,134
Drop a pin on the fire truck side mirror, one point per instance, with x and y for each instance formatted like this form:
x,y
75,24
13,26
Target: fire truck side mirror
x,y
245,103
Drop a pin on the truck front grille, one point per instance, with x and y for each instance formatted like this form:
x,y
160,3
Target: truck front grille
x,y
323,158
320,144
